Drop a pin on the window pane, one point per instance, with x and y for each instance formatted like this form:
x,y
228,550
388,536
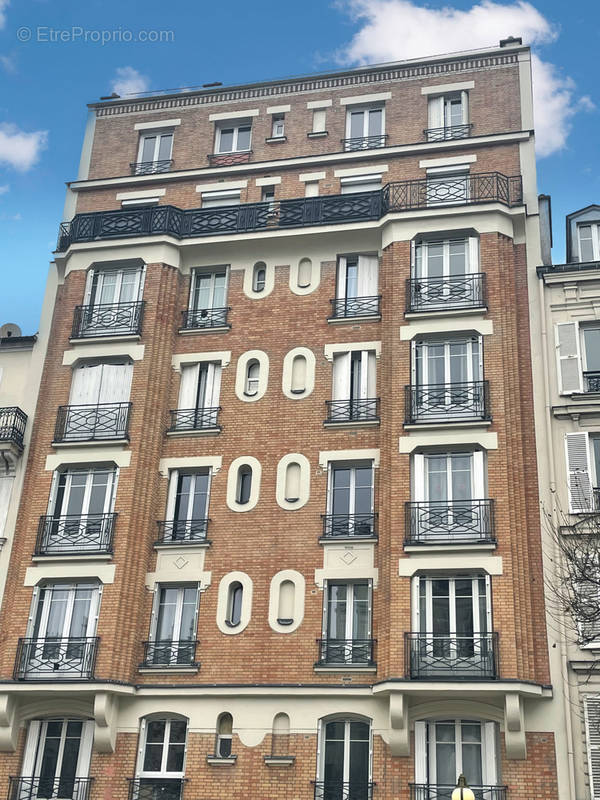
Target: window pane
x,y
164,150
461,477
435,259
586,245
100,483
336,613
458,258
75,503
175,755
341,490
148,148
591,339
357,124
81,613
243,139
165,627
375,122
226,140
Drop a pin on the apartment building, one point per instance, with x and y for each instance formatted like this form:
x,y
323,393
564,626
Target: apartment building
x,y
567,370
281,536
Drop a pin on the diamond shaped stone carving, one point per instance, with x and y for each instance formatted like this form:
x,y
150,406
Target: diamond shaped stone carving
x,y
348,558
180,562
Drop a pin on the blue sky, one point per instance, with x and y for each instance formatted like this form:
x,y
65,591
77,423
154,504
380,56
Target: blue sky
x,y
45,85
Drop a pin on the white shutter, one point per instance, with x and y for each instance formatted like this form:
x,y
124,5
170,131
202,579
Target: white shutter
x,y
85,749
85,385
413,260
213,385
6,484
116,383
579,472
341,277
435,112
28,766
478,476
188,387
341,376
364,375
418,477
367,276
172,493
421,752
490,769
464,107
569,358
371,374
473,254
591,705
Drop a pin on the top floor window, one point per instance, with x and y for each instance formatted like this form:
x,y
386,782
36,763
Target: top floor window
x,y
233,137
578,354
154,153
365,128
278,126
448,117
589,242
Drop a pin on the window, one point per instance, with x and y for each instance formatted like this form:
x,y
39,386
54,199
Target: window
x,y
319,120
285,606
199,391
344,766
591,707
354,385
175,619
111,302
311,189
445,274
365,128
350,500
162,758
360,183
299,368
56,758
447,185
230,197
589,242
95,384
187,505
208,293
578,355
347,624
259,276
233,137
293,475
244,484
445,749
155,149
304,273
278,126
447,362
235,595
357,286
583,471
224,736
448,116
113,286
252,377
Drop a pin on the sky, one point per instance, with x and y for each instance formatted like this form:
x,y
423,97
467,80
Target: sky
x,y
58,55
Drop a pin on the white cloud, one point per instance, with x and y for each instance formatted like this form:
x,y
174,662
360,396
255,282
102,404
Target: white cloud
x,y
393,30
18,149
3,7
4,188
8,63
129,81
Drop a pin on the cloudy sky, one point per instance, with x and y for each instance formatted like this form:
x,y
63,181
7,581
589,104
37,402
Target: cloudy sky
x,y
53,61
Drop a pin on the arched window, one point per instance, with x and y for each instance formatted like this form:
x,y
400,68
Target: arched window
x,y
244,484
163,749
299,367
252,376
285,610
304,273
259,276
292,482
280,742
234,604
344,760
224,736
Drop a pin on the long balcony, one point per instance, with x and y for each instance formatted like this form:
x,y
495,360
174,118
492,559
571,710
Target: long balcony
x,y
12,427
74,534
49,788
169,654
486,187
181,531
156,788
107,319
351,307
151,167
441,522
447,402
92,423
432,656
349,526
451,293
354,410
56,659
448,132
187,420
365,142
204,319
434,791
343,653
339,790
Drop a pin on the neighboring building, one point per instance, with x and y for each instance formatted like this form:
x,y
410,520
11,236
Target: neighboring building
x,y
281,531
567,370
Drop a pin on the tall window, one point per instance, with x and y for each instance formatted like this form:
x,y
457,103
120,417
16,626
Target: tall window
x,y
447,748
447,362
278,126
233,137
154,148
448,116
162,757
446,258
187,506
588,237
357,286
224,736
364,128
95,384
83,491
354,375
111,303
344,760
350,500
347,624
208,297
448,477
252,377
113,286
199,392
56,758
234,604
583,471
175,619
578,356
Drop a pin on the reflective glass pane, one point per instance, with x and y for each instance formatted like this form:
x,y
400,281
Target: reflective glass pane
x,y
164,150
591,339
458,258
375,122
357,124
341,490
226,140
148,148
243,139
435,259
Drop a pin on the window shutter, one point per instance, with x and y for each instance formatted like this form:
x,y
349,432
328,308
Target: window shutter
x,y
478,475
341,277
371,374
172,493
213,388
464,107
115,384
6,484
364,374
490,771
436,112
588,597
591,707
341,376
579,473
85,385
188,386
421,752
419,477
413,260
473,263
569,358
367,276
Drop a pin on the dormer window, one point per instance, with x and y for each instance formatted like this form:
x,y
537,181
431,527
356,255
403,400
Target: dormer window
x,y
589,242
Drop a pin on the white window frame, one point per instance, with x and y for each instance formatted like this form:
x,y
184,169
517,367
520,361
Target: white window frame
x,y
595,231
111,488
321,744
92,292
352,466
479,629
424,344
162,773
224,737
420,256
365,110
425,751
580,471
198,272
180,588
478,474
34,746
234,125
172,491
349,633
159,136
278,126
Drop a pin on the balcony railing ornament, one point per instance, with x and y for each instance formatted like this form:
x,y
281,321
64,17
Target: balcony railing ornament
x,y
349,525
72,534
448,402
451,292
334,652
110,319
354,410
431,656
106,421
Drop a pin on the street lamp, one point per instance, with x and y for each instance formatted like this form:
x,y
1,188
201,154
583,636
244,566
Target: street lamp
x,y
462,791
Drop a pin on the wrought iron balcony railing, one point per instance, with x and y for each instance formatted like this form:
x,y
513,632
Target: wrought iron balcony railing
x,y
229,159
342,307
151,167
165,653
449,132
49,788
431,656
338,790
355,410
434,791
335,209
450,522
346,652
200,318
56,659
75,533
12,425
156,788
109,319
91,423
349,525
591,381
182,531
448,402
365,142
449,293
194,419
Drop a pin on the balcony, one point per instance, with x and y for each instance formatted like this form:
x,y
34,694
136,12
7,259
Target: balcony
x,y
355,410
449,132
349,526
156,788
181,532
452,293
169,654
431,791
56,659
353,307
432,656
447,402
205,319
12,427
343,653
364,142
110,319
49,788
229,159
187,420
441,522
591,381
92,423
151,167
88,534
338,790
486,187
